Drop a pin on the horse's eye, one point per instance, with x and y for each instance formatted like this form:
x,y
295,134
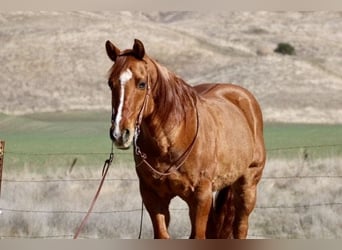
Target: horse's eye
x,y
142,85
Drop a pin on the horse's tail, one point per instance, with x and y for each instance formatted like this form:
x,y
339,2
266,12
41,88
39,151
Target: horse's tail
x,y
222,214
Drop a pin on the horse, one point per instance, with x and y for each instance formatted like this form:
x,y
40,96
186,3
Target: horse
x,y
203,144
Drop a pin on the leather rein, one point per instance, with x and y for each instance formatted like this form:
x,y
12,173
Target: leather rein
x,y
144,159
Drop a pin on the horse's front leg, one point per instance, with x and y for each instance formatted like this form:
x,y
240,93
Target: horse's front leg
x,y
199,208
158,209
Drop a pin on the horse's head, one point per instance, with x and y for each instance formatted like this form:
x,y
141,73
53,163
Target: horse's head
x,y
129,82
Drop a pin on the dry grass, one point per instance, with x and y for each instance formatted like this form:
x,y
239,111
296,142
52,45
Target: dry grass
x,y
295,207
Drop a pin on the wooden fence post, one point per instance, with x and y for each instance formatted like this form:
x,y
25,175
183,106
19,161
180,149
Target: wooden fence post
x,y
2,154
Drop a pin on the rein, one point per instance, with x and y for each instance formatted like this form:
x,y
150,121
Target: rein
x,y
180,161
105,168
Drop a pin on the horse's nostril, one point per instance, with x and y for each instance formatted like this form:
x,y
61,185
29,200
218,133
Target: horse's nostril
x,y
125,134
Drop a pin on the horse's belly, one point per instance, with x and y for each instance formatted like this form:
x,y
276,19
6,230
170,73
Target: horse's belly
x,y
229,144
229,166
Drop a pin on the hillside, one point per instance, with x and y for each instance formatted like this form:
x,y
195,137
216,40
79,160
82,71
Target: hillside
x,y
56,61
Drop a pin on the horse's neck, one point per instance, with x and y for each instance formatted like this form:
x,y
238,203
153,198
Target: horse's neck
x,y
171,136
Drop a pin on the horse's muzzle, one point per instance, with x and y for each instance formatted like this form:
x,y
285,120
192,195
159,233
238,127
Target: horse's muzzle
x,y
122,139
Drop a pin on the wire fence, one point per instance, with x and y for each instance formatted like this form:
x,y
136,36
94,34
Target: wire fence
x,y
129,153
83,181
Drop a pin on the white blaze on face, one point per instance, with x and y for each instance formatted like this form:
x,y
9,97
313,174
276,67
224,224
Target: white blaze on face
x,y
124,78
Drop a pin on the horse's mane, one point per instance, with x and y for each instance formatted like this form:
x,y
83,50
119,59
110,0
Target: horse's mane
x,y
173,95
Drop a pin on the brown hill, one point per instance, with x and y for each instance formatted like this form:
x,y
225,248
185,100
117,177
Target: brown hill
x,y
56,61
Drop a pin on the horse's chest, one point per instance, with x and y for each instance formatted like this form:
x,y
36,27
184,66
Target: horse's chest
x,y
169,185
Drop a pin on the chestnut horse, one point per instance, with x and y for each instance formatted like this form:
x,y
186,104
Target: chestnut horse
x,y
189,142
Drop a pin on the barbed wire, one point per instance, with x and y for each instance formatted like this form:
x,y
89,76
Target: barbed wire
x,y
304,146
70,236
130,153
325,204
63,153
264,178
68,180
66,211
62,236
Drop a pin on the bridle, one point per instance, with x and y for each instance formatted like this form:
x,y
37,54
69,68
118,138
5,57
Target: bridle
x,y
144,159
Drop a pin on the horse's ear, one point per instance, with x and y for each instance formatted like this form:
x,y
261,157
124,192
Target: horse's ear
x,y
112,51
138,49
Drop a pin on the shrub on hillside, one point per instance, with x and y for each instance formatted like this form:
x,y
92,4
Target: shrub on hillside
x,y
285,49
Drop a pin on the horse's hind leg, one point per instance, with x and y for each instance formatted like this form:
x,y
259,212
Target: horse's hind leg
x,y
221,218
244,200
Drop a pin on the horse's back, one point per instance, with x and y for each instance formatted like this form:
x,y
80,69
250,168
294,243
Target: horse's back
x,y
247,104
